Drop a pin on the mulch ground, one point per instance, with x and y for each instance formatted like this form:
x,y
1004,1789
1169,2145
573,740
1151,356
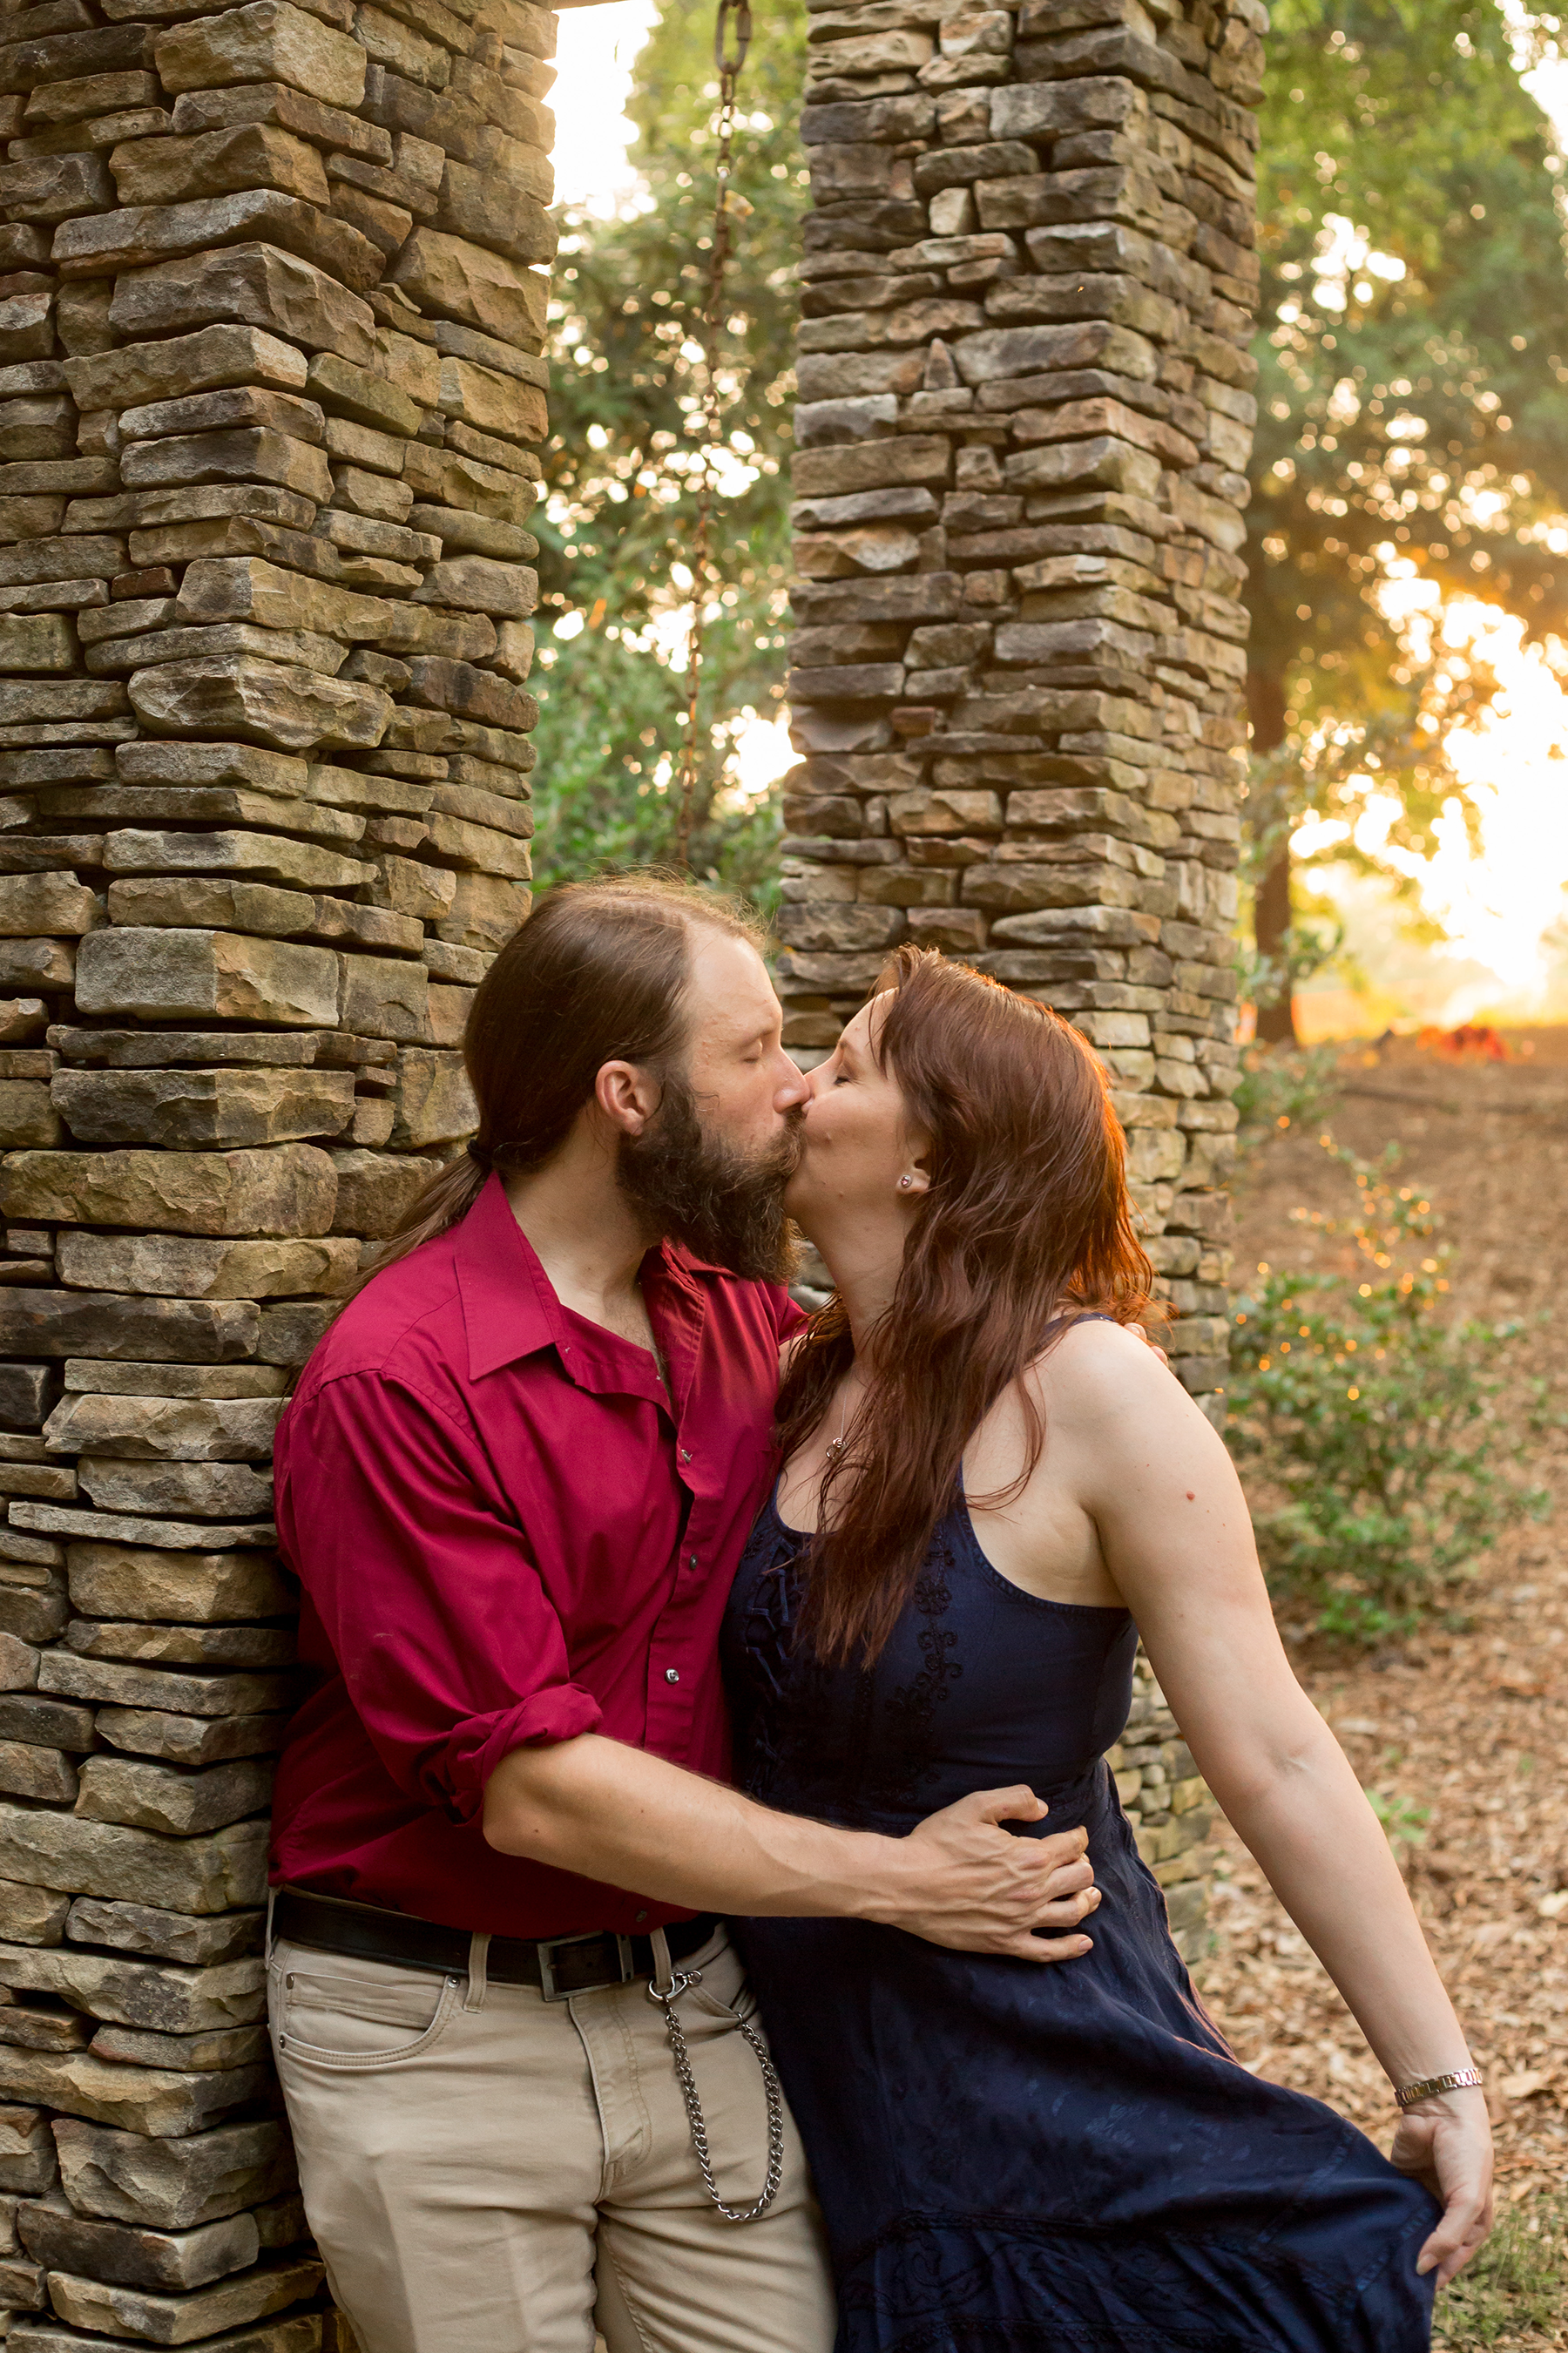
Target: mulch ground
x,y
1468,1728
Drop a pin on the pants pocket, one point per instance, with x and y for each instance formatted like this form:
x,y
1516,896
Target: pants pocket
x,y
723,1996
354,2015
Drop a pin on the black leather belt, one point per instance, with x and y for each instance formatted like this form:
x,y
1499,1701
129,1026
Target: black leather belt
x,y
558,1966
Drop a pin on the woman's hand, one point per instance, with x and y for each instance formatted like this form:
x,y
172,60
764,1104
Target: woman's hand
x,y
1447,2142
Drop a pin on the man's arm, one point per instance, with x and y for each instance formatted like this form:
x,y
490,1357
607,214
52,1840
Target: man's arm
x,y
458,1665
616,1814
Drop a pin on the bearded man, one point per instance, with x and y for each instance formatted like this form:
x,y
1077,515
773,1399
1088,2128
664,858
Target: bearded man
x,y
514,1483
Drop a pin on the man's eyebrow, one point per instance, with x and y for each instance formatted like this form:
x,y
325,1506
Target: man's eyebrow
x,y
753,1034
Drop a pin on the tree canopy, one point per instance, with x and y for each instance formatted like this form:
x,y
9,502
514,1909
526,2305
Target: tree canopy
x,y
1413,396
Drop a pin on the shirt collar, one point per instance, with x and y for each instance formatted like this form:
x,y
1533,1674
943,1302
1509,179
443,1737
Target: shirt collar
x,y
510,1306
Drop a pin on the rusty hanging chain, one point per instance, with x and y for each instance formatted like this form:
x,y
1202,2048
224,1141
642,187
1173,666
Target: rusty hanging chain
x,y
734,22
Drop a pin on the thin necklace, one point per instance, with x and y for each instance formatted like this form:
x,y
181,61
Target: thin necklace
x,y
835,1447
661,1369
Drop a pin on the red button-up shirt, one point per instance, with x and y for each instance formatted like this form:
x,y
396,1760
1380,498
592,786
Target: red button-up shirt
x,y
508,1532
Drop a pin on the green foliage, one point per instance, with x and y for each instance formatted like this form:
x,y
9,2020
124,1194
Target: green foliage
x,y
1413,398
1519,2280
1396,411
1366,1419
1280,1089
623,466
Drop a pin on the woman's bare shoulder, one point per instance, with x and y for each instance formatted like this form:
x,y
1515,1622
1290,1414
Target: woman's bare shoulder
x,y
1099,1367
1095,1346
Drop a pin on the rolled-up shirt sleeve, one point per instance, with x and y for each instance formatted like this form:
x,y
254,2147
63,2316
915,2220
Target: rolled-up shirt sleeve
x,y
425,1586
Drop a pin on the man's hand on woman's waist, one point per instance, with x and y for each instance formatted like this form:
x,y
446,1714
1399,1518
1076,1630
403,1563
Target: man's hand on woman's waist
x,y
618,1815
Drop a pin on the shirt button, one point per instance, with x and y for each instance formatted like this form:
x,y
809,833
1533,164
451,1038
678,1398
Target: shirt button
x,y
686,1453
691,1560
672,1675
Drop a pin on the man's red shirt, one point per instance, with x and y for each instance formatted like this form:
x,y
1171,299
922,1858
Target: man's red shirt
x,y
508,1532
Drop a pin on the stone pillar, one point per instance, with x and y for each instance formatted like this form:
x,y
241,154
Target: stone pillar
x,y
1024,424
270,403
1024,416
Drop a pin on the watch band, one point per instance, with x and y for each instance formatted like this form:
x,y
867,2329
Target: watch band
x,y
1463,2079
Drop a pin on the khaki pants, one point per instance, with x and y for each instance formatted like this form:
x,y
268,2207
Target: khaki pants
x,y
487,2172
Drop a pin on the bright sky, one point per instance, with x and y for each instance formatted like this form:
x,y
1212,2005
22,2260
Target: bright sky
x,y
595,48
1500,909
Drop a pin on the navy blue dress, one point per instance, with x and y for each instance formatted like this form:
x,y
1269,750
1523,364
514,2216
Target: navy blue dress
x,y
1014,2158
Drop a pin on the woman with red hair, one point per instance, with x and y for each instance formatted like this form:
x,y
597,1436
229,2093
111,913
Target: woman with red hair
x,y
989,1489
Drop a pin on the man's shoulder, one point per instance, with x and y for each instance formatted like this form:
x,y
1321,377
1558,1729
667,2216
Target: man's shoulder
x,y
407,1320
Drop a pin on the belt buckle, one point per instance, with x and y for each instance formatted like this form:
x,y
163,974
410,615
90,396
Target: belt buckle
x,y
550,1946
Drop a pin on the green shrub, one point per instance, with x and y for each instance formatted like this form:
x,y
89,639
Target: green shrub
x,y
1283,1087
1364,1418
1520,2279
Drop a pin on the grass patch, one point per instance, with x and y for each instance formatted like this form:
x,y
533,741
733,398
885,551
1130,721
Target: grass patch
x,y
1520,2279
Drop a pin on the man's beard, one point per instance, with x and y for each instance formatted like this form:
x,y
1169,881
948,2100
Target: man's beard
x,y
714,1200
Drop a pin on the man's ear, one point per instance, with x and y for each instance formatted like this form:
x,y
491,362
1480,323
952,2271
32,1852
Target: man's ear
x,y
627,1095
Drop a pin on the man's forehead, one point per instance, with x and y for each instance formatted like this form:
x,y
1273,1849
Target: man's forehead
x,y
730,985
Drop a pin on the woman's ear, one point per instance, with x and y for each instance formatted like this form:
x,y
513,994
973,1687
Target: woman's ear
x,y
915,1176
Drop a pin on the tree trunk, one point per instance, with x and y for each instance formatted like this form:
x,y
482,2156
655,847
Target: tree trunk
x,y
1271,902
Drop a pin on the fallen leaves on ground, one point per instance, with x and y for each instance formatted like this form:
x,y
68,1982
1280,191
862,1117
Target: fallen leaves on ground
x,y
1470,1726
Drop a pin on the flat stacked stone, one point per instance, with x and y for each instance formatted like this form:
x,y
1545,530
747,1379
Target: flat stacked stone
x,y
1024,416
1168,1805
271,399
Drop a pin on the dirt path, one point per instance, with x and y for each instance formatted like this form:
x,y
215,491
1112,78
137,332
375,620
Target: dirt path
x,y
1470,1727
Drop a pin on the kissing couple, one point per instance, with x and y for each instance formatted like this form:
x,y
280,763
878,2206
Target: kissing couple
x,y
703,1691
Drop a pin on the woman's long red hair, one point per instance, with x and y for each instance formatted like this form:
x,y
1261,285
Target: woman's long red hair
x,y
1027,1219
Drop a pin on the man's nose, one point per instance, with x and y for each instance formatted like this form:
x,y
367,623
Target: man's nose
x,y
794,1088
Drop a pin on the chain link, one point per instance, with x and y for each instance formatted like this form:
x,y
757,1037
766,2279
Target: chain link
x,y
729,63
681,1979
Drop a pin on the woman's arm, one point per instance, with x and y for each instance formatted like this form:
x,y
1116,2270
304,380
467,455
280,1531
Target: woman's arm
x,y
1177,1541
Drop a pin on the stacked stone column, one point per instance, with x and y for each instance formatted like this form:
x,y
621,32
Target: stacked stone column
x,y
1024,416
1024,423
270,406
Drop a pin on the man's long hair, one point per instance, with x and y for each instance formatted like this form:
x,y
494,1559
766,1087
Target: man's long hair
x,y
597,974
1026,1221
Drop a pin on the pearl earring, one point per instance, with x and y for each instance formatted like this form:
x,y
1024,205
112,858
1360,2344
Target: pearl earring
x,y
904,1183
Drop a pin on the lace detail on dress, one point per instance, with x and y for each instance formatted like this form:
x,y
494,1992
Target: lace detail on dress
x,y
877,1753
911,1709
